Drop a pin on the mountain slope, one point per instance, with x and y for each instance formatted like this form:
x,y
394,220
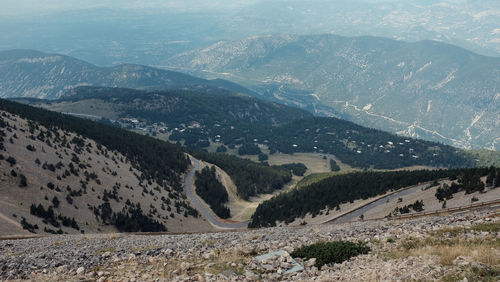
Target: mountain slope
x,y
65,174
240,121
126,167
329,193
29,73
205,106
425,89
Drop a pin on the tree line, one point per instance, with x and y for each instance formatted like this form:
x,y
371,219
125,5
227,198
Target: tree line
x,y
329,193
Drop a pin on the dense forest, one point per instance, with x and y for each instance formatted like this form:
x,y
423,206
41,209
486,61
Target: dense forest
x,y
132,219
249,177
354,145
334,166
343,188
199,117
297,168
209,188
175,107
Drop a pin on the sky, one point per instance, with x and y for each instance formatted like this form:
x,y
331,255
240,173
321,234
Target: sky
x,y
26,8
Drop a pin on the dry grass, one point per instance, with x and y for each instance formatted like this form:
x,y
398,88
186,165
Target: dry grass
x,y
477,252
215,265
448,244
481,252
102,251
487,227
208,242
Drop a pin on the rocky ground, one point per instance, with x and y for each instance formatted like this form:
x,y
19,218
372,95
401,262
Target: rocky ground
x,y
453,247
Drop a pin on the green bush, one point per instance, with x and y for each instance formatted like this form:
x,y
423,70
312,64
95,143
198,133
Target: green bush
x,y
297,168
328,252
334,166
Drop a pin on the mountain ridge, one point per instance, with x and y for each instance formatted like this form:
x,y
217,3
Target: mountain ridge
x,y
31,73
412,88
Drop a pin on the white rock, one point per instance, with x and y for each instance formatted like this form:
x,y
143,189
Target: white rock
x,y
80,270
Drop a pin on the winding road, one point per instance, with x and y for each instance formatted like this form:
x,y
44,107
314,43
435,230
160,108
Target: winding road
x,y
350,216
204,210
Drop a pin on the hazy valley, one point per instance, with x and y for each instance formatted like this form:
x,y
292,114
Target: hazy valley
x,y
235,140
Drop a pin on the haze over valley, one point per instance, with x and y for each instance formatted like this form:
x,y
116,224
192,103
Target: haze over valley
x,y
249,140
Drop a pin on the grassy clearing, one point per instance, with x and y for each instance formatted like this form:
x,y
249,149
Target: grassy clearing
x,y
313,178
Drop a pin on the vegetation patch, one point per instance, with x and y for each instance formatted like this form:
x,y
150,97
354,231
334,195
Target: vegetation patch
x,y
334,166
470,182
487,227
209,188
331,252
418,206
297,168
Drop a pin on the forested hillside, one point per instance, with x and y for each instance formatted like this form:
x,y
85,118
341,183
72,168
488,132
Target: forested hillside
x,y
410,88
329,193
62,174
198,118
205,106
353,144
155,168
209,188
160,161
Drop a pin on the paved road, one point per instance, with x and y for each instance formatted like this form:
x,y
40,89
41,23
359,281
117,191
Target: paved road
x,y
356,213
83,115
206,212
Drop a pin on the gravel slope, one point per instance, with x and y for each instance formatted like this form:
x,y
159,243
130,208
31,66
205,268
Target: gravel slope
x,y
230,255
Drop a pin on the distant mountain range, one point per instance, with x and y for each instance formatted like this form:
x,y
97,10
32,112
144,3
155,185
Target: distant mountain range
x,y
426,89
29,73
112,33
